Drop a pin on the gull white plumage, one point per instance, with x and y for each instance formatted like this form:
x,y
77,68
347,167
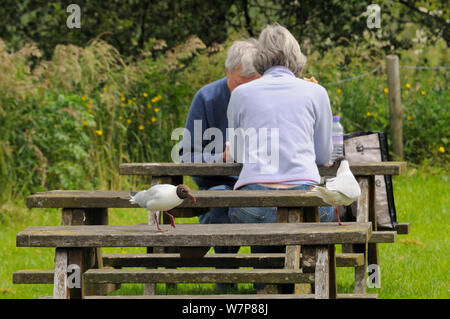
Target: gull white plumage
x,y
161,197
340,190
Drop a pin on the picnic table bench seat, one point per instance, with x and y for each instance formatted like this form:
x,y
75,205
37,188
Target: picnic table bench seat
x,y
92,199
174,260
78,240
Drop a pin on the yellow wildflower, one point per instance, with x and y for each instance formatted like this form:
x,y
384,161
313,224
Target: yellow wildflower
x,y
144,94
156,110
339,91
85,123
134,99
83,98
120,117
130,101
375,116
88,106
91,102
128,121
141,127
99,132
409,117
122,98
369,114
27,130
149,106
122,104
386,90
156,98
441,149
422,92
105,89
408,86
153,119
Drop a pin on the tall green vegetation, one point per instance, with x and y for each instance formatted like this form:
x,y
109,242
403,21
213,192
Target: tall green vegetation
x,y
69,121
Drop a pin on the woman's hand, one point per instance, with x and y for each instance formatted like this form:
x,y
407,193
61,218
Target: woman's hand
x,y
226,155
311,79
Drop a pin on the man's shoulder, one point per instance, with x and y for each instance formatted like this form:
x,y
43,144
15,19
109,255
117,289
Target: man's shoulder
x,y
214,89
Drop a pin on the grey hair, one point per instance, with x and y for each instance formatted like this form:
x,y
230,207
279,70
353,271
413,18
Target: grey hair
x,y
277,46
241,54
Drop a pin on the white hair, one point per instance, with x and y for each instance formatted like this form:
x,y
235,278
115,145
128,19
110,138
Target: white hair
x,y
277,46
241,54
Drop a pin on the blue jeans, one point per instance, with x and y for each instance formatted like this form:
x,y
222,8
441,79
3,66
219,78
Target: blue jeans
x,y
269,215
218,215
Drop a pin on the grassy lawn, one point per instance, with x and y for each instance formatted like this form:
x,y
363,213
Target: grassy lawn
x,y
416,266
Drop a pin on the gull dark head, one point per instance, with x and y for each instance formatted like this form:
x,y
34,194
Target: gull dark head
x,y
183,191
337,161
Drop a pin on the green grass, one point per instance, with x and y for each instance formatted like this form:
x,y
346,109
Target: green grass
x,y
416,266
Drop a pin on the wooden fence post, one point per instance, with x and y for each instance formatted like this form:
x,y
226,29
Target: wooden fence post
x,y
395,106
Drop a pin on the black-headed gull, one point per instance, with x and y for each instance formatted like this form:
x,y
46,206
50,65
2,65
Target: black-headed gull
x,y
161,197
340,190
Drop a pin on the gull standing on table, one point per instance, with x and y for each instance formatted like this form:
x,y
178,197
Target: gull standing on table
x,y
161,197
340,190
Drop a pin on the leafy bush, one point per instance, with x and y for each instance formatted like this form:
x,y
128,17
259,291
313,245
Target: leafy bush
x,y
68,122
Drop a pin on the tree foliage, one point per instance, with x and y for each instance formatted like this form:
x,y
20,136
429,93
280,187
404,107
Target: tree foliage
x,y
132,26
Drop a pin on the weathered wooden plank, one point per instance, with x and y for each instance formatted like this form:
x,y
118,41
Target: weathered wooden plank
x,y
293,262
93,259
121,199
332,272
349,260
232,296
400,228
60,287
372,248
191,235
213,260
234,169
196,276
34,276
322,274
45,276
209,260
383,237
364,210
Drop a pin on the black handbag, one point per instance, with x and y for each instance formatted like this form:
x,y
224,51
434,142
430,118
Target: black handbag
x,y
373,147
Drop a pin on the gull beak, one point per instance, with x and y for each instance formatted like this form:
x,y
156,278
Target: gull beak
x,y
192,198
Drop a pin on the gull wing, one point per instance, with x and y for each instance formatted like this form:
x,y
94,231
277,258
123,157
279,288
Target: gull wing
x,y
345,184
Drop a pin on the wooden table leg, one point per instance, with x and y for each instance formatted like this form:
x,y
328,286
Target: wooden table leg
x,y
325,273
362,216
90,216
292,261
332,271
60,289
150,288
372,248
301,215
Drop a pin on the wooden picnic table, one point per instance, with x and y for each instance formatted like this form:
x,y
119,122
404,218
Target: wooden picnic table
x,y
91,207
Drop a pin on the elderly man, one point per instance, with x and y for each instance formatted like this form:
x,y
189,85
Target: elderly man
x,y
209,110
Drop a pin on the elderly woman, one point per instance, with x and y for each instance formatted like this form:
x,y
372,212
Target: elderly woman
x,y
291,115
